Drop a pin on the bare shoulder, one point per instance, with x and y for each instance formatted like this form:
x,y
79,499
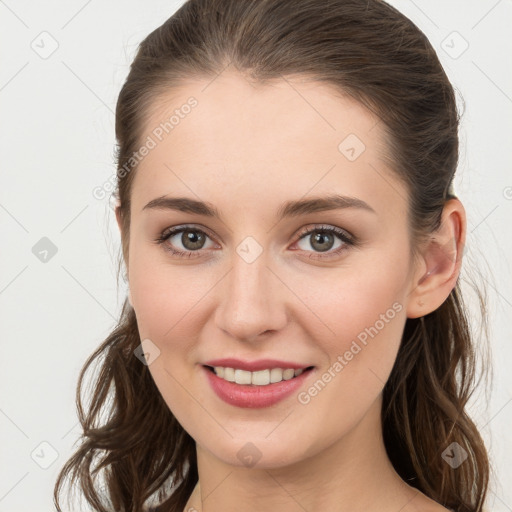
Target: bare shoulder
x,y
435,507
419,502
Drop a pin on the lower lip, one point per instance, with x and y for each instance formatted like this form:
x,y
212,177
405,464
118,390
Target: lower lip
x,y
251,396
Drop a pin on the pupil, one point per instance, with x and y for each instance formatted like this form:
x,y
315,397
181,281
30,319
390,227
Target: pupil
x,y
194,238
320,238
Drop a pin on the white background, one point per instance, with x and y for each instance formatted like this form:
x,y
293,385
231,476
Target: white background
x,y
57,144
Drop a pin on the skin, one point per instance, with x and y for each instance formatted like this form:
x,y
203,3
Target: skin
x,y
246,149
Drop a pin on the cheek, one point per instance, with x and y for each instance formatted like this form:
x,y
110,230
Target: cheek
x,y
167,302
347,304
367,317
165,305
166,297
358,323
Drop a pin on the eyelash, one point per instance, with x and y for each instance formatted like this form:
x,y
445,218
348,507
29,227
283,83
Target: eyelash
x,y
347,239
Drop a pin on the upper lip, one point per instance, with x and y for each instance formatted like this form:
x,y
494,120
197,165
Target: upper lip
x,y
254,366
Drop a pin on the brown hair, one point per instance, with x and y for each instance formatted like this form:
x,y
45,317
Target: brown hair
x,y
370,51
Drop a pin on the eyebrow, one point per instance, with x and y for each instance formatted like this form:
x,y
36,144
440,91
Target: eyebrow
x,y
288,209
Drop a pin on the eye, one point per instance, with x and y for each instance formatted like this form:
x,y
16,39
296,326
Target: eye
x,y
193,241
324,240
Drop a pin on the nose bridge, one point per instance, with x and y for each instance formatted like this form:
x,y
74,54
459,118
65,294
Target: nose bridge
x,y
249,304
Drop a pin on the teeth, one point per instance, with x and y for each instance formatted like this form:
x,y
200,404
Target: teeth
x,y
242,377
259,378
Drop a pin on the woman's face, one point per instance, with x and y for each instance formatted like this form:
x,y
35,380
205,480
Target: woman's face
x,y
255,286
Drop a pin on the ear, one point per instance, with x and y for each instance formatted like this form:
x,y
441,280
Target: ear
x,y
118,215
440,262
119,223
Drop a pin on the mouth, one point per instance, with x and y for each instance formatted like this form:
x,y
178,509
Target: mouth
x,y
257,389
265,377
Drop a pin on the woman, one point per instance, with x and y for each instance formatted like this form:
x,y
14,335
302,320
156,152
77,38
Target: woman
x,y
294,335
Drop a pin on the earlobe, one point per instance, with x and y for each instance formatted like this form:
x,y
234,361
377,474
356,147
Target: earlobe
x,y
442,259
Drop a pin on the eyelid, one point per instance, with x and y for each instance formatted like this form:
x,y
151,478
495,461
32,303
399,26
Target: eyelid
x,y
301,233
342,233
180,228
174,230
347,239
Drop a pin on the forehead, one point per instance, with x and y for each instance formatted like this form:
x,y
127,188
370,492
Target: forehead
x,y
289,135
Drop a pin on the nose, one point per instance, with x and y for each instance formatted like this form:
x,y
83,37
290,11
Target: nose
x,y
252,300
